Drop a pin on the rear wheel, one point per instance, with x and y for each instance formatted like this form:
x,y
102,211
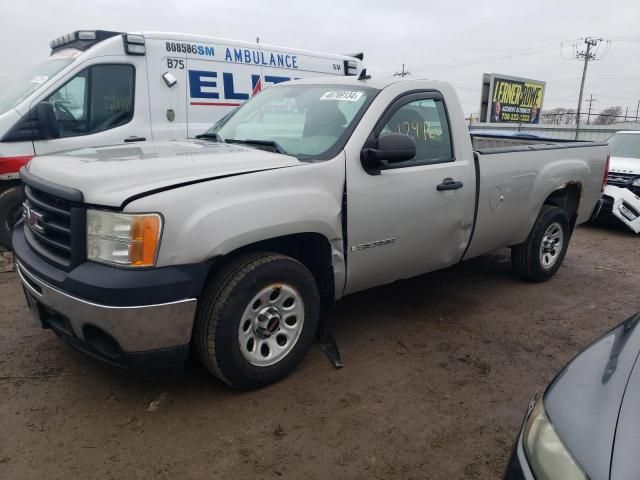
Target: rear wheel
x,y
541,255
10,211
256,320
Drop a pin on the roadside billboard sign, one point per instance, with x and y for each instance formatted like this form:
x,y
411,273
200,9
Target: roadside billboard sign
x,y
507,99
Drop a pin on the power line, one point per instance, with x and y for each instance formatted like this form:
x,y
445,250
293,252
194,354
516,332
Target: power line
x,y
472,61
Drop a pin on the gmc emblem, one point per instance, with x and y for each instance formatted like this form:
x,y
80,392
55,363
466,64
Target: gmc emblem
x,y
33,218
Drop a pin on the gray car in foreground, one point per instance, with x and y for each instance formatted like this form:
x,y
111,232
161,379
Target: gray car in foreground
x,y
587,423
310,191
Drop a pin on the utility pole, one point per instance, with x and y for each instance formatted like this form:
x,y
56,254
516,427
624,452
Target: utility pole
x,y
591,100
637,110
588,55
403,73
626,113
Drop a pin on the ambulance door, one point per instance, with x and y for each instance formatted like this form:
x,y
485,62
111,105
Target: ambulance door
x,y
104,101
167,89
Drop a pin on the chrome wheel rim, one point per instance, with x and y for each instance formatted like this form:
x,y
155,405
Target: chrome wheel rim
x,y
551,246
271,325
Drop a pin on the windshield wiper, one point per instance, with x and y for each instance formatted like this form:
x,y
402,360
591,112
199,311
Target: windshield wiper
x,y
259,143
210,136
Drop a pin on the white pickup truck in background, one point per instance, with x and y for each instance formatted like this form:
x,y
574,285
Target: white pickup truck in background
x,y
622,193
308,192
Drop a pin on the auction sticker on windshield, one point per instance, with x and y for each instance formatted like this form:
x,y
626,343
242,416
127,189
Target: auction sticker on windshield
x,y
344,95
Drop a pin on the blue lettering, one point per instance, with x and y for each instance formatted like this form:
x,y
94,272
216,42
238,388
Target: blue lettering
x,y
280,60
294,60
273,79
229,93
237,55
209,51
287,61
256,57
200,50
227,56
247,56
272,60
197,82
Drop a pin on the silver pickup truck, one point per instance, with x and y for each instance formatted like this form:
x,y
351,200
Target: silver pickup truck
x,y
235,242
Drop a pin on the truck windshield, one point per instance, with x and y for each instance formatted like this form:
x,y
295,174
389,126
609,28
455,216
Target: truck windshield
x,y
306,121
24,87
625,145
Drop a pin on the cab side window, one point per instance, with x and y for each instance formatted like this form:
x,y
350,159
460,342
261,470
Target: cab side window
x,y
97,99
425,121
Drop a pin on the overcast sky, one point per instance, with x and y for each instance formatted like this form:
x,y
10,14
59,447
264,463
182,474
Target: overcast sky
x,y
448,40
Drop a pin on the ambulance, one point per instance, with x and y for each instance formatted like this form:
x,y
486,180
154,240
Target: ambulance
x,y
102,88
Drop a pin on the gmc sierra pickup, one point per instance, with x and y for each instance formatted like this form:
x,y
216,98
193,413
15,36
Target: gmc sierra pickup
x,y
310,191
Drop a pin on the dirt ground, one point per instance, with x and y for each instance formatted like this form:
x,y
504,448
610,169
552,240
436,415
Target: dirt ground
x,y
438,373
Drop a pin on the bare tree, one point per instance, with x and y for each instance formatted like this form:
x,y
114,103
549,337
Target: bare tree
x,y
553,116
608,115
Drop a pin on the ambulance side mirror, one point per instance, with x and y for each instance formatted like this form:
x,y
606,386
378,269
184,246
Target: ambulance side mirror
x,y
47,121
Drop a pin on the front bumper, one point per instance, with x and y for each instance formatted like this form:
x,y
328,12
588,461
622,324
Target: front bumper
x,y
147,339
94,308
623,204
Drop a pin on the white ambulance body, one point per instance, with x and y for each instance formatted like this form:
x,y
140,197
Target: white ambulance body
x,y
104,88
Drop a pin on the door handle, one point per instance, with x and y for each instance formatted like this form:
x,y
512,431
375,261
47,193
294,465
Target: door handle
x,y
449,184
133,138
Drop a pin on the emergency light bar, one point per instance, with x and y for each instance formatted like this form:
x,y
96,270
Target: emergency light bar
x,y
80,39
134,44
350,67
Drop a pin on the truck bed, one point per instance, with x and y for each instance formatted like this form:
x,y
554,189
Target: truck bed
x,y
493,143
510,198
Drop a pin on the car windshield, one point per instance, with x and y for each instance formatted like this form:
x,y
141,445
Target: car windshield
x,y
305,121
625,145
24,87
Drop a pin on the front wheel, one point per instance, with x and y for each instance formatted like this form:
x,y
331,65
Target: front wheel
x,y
10,211
541,255
256,319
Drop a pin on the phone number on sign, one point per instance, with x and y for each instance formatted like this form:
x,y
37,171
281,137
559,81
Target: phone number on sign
x,y
516,117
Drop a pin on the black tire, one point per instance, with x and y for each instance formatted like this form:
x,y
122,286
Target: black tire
x,y
221,308
10,211
526,257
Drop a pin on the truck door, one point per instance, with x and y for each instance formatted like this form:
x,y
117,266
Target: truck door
x,y
415,216
104,102
167,89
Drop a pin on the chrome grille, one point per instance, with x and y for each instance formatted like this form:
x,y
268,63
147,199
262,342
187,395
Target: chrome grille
x,y
49,224
620,179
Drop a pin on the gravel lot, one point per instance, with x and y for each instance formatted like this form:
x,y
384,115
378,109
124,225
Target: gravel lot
x,y
439,370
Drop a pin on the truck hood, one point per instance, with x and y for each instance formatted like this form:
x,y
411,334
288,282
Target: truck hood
x,y
625,165
110,175
584,404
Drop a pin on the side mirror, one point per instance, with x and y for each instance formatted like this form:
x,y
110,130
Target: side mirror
x,y
392,148
47,121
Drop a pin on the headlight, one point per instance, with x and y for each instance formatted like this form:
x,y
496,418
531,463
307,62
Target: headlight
x,y
636,182
548,457
123,239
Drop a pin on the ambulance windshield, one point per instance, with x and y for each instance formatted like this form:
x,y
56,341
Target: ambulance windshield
x,y
300,120
24,87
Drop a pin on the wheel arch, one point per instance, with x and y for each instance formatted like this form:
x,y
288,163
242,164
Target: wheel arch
x,y
568,198
312,249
